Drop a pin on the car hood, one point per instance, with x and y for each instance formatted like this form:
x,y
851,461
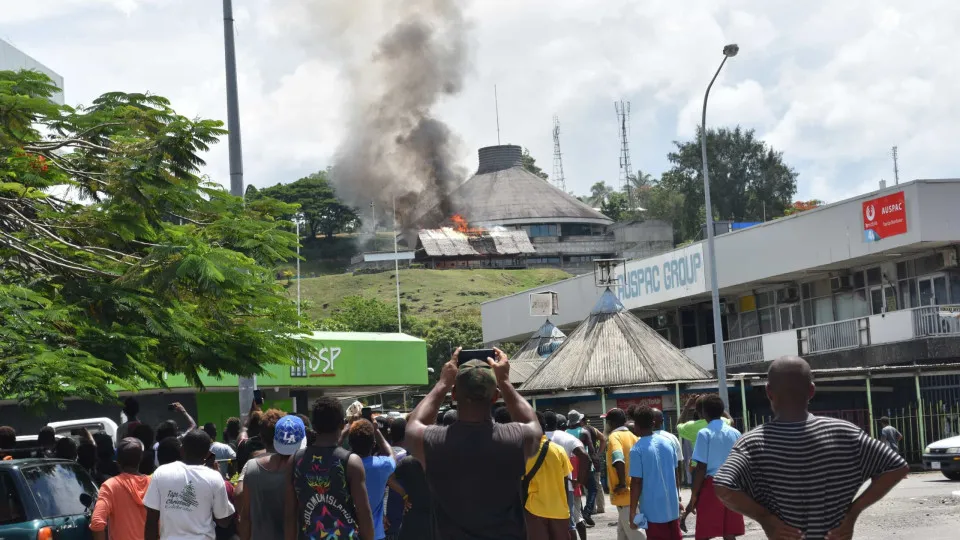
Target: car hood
x,y
952,442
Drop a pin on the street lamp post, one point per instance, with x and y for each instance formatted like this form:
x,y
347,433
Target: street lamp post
x,y
728,52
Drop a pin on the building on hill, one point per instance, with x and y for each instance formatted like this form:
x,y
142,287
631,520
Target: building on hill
x,y
447,248
564,231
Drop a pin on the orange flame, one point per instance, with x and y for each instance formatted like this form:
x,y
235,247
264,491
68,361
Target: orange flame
x,y
461,225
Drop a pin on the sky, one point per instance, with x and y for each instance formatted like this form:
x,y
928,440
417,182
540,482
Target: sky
x,y
832,85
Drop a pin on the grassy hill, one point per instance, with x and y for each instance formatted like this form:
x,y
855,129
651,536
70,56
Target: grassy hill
x,y
427,293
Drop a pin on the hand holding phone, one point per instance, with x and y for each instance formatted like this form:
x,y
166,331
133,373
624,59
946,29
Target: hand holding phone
x,y
476,354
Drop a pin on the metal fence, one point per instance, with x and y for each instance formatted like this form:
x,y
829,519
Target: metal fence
x,y
940,421
936,320
835,336
744,351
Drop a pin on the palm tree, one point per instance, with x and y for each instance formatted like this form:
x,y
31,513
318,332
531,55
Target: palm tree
x,y
599,193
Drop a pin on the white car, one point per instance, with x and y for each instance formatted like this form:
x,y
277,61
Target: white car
x,y
944,456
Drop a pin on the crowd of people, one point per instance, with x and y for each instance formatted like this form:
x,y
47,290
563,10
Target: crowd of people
x,y
489,471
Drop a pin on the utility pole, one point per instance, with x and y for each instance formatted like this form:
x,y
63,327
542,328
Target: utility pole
x,y
245,385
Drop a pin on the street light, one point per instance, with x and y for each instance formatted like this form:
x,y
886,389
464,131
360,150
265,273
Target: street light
x,y
728,52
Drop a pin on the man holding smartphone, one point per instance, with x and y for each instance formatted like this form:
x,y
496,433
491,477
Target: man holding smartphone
x,y
475,466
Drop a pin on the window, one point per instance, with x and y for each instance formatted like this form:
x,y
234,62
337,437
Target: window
x,y
538,231
817,302
11,511
57,488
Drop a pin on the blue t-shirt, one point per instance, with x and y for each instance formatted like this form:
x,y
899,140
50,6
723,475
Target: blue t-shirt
x,y
378,470
714,443
654,459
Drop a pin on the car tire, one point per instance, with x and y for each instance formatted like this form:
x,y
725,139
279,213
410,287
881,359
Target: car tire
x,y
952,475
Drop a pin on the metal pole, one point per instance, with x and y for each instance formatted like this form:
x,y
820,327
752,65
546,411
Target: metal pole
x,y
712,255
245,385
297,218
743,405
923,436
603,401
534,404
676,389
396,266
870,407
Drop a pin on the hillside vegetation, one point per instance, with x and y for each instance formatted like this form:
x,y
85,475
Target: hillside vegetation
x,y
436,294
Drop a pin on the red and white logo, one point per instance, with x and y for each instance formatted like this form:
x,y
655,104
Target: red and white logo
x,y
871,212
890,220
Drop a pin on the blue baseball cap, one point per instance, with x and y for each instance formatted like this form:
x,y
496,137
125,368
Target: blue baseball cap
x,y
289,435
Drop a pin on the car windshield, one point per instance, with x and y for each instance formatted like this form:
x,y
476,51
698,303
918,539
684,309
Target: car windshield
x,y
57,488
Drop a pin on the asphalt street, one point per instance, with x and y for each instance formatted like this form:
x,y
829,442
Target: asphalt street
x,y
921,508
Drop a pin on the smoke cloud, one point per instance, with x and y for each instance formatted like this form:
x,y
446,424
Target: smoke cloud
x,y
400,59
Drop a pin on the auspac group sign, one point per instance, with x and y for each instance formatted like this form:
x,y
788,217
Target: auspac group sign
x,y
669,276
884,217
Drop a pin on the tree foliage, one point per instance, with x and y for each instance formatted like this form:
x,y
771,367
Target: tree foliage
x,y
118,262
616,206
599,192
530,164
323,212
747,179
803,206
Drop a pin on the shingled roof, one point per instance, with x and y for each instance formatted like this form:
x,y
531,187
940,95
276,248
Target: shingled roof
x,y
447,242
613,348
502,192
540,345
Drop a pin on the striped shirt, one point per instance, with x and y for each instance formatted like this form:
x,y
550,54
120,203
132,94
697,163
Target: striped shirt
x,y
806,473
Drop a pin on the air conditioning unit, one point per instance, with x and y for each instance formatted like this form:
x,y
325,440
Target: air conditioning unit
x,y
841,283
949,257
665,320
790,295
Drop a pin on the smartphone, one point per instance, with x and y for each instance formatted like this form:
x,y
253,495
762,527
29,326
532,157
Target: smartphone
x,y
475,354
366,413
258,396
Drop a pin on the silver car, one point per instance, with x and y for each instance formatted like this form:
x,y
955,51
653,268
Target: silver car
x,y
944,456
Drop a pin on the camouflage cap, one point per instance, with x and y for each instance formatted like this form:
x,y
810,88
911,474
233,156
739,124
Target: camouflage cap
x,y
475,382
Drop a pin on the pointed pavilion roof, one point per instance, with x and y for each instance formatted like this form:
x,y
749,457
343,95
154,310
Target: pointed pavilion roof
x,y
540,345
612,348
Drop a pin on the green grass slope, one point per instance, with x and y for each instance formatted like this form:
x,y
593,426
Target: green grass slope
x,y
426,293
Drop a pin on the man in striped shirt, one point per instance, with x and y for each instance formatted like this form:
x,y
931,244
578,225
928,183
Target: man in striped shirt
x,y
798,475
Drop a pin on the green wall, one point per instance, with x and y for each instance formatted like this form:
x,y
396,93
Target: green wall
x,y
216,407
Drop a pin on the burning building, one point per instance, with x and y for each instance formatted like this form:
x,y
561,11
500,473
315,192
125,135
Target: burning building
x,y
464,247
503,197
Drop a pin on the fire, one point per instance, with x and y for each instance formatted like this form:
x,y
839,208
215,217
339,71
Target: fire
x,y
461,225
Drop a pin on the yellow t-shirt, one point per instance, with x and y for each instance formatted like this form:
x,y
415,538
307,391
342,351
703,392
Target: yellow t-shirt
x,y
619,443
547,495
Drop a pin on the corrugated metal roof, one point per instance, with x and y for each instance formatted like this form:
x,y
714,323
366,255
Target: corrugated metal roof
x,y
447,242
613,348
540,345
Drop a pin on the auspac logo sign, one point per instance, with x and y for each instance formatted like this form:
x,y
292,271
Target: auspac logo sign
x,y
884,217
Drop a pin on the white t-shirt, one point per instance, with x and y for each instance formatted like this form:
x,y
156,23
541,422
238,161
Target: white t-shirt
x,y
673,441
188,498
569,444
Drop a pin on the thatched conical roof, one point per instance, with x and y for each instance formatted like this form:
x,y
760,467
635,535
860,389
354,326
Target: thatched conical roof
x,y
610,348
540,345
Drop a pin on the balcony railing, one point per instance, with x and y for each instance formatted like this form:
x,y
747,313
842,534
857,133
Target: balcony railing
x,y
744,351
895,326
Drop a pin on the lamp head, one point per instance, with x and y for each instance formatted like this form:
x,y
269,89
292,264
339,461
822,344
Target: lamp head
x,y
731,50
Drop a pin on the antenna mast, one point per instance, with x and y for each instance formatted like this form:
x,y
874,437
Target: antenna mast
x,y
896,170
623,125
496,107
558,177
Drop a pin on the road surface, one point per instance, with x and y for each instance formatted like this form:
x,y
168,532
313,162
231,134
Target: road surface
x,y
919,508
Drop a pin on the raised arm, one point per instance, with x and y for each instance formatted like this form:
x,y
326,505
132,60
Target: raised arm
x,y
520,411
426,411
191,423
688,409
382,445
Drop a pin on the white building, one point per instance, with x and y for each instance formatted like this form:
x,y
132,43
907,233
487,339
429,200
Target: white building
x,y
861,274
13,59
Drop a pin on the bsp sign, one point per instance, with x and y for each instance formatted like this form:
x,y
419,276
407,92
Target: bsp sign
x,y
664,277
316,362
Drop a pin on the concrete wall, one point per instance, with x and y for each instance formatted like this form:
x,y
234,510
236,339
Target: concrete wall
x,y
14,59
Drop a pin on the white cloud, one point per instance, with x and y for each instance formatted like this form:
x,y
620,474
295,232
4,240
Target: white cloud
x,y
831,84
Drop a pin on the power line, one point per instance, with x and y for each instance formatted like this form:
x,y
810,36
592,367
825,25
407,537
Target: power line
x,y
558,177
